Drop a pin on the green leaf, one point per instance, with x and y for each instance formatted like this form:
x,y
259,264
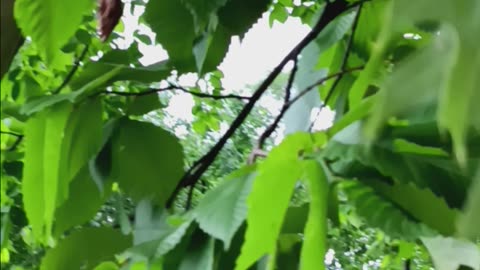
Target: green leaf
x,y
167,18
315,235
295,219
351,157
422,204
50,23
155,233
102,75
405,81
39,103
41,183
199,254
231,195
368,27
83,202
279,13
32,189
107,266
81,140
237,16
451,253
54,185
470,218
359,112
387,216
202,11
85,248
267,209
147,161
200,50
217,49
144,104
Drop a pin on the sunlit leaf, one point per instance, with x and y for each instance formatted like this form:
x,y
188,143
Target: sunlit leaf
x,y
315,236
50,23
266,209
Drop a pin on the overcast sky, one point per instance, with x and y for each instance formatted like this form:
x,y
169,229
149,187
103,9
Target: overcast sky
x,y
247,62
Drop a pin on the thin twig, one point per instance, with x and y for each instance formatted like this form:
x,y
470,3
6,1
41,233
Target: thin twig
x,y
331,11
72,71
342,67
270,129
323,80
175,87
19,138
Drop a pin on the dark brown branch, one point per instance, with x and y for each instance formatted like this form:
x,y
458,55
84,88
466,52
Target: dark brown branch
x,y
270,129
17,141
344,63
257,151
321,81
175,87
72,71
188,204
332,10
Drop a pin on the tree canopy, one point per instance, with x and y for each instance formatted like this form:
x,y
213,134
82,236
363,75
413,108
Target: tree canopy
x,y
96,174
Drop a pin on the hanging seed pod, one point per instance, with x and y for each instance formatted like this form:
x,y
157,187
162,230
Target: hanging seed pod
x,y
109,13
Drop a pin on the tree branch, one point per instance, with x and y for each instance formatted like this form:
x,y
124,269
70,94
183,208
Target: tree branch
x,y
344,63
331,11
321,81
72,71
270,129
175,87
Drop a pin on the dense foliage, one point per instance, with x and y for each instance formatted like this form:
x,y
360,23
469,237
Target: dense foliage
x,y
96,174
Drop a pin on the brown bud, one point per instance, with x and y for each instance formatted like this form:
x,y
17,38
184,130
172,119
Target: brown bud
x,y
109,13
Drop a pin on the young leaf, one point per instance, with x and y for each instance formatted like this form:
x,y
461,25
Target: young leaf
x,y
50,23
267,208
315,235
147,161
85,248
231,195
